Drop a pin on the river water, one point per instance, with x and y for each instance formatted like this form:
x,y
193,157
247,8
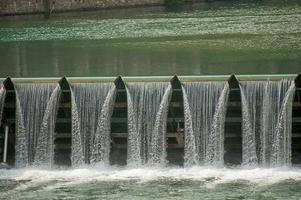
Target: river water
x,y
216,38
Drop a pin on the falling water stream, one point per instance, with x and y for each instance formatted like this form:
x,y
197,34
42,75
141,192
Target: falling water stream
x,y
36,106
44,155
147,117
204,111
267,121
92,107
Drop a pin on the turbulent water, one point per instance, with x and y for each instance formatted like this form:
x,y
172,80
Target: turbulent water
x,y
147,118
35,120
151,183
204,111
92,107
267,122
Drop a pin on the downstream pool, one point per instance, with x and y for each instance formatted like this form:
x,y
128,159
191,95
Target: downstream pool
x,y
151,183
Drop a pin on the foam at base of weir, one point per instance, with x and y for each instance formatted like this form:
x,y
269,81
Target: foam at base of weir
x,y
208,176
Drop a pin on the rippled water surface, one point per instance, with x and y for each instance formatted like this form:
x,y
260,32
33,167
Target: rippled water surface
x,y
217,38
149,183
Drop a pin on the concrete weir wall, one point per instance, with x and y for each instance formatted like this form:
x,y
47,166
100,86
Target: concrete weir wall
x,y
13,7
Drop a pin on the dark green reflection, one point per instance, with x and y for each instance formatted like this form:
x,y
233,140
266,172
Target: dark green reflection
x,y
97,58
231,38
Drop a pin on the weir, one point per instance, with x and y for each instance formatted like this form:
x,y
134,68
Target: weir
x,y
205,110
147,115
92,106
35,117
267,121
183,120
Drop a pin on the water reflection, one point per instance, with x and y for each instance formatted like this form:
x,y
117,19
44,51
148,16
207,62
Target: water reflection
x,y
219,39
94,58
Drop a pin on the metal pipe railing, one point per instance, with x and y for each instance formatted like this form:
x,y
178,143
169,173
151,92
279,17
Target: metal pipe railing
x,y
4,165
5,145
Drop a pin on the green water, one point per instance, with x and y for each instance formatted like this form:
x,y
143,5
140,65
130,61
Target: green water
x,y
163,189
217,38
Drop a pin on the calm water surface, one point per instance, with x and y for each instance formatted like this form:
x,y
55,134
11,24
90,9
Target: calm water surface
x,y
217,38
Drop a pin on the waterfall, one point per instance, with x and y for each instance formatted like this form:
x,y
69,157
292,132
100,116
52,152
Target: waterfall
x,y
35,121
101,141
45,147
204,112
157,151
266,124
2,100
92,107
147,116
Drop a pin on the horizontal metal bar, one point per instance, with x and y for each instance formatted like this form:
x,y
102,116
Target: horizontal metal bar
x,y
157,78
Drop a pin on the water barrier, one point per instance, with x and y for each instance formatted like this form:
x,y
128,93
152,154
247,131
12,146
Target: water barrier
x,y
252,120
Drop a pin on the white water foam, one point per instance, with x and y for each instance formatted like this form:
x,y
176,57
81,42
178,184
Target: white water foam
x,y
208,176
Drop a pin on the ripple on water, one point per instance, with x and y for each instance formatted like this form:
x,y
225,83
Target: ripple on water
x,y
255,20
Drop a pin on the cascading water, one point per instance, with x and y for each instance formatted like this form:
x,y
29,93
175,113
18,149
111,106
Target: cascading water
x,y
266,122
2,100
157,152
267,119
92,107
36,106
147,116
204,113
44,155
